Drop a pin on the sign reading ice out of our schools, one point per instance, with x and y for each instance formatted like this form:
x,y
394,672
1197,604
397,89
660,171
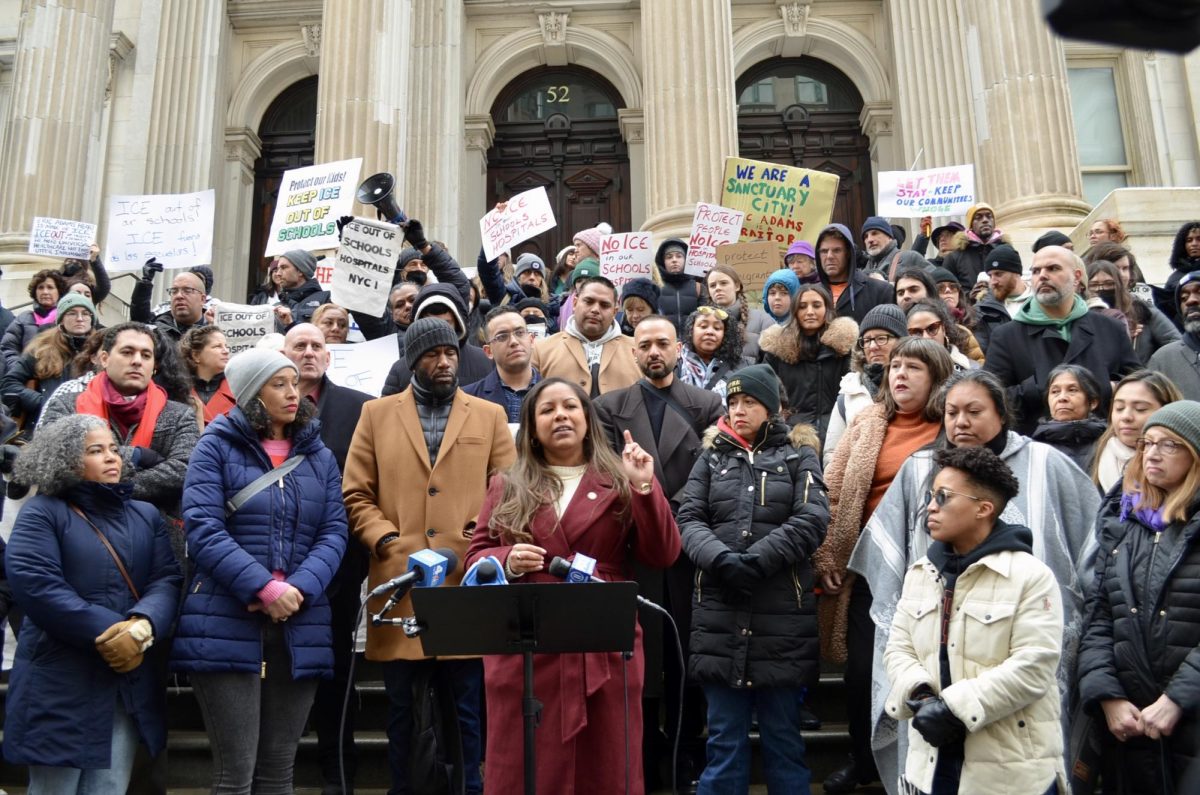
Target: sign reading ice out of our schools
x,y
523,216
176,228
311,199
56,237
365,264
712,226
782,204
935,191
625,257
754,262
243,325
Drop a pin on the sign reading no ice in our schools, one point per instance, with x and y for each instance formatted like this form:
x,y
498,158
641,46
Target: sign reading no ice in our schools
x,y
311,199
175,228
625,257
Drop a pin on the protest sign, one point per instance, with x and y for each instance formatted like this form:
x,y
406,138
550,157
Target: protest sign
x,y
782,204
524,216
625,257
311,199
363,365
365,264
176,228
56,237
754,262
712,226
324,274
935,191
243,325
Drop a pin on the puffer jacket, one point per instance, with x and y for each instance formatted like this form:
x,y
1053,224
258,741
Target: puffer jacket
x,y
1143,634
25,400
967,259
298,528
62,694
770,501
812,385
680,292
20,332
1004,640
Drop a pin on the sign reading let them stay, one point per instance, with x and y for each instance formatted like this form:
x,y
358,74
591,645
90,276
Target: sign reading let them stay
x,y
523,216
311,199
935,191
175,228
365,264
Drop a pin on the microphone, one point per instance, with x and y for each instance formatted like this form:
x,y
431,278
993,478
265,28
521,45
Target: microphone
x,y
426,569
486,571
580,569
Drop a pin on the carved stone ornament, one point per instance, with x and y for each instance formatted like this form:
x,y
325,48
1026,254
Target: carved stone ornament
x,y
554,27
312,39
795,17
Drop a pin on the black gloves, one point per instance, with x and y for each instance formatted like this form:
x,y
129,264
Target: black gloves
x,y
341,224
8,454
146,457
151,267
737,574
414,233
936,723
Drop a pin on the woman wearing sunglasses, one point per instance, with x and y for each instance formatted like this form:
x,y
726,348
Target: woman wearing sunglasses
x,y
1139,660
932,320
712,349
975,644
1057,502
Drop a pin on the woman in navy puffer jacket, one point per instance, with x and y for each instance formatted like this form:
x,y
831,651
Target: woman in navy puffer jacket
x,y
254,632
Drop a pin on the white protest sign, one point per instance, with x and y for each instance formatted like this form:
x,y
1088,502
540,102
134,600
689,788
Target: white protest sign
x,y
365,263
311,199
712,226
625,257
56,237
363,365
524,216
243,325
935,191
176,228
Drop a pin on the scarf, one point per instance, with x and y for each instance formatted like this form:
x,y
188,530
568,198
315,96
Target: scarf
x,y
1110,467
46,319
994,238
1152,518
101,399
725,428
1032,314
593,349
693,371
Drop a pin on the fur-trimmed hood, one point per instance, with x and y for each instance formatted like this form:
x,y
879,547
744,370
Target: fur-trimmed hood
x,y
962,242
799,436
784,341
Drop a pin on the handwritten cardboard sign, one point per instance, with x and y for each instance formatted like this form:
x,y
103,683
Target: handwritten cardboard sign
x,y
243,325
365,264
625,257
56,237
712,226
935,191
311,199
176,228
754,262
782,204
363,365
524,216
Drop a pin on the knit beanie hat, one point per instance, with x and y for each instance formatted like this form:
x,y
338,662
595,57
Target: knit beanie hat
x,y
205,273
800,247
1004,258
304,262
588,268
425,334
72,301
673,245
759,382
249,370
591,237
1051,238
940,275
784,276
879,224
974,208
1181,418
406,256
531,303
641,288
886,317
529,262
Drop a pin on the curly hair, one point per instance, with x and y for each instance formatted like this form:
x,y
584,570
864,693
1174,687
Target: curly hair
x,y
60,282
954,334
195,341
985,471
85,359
730,350
260,421
53,460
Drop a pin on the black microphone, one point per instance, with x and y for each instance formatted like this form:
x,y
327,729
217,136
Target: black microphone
x,y
486,572
562,568
426,569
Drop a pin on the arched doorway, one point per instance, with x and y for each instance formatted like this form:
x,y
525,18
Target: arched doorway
x,y
804,112
288,135
557,127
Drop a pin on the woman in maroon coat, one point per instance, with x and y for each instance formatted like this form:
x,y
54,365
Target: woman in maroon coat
x,y
569,493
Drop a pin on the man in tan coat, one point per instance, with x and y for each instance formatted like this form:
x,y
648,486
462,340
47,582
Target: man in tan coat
x,y
592,351
415,478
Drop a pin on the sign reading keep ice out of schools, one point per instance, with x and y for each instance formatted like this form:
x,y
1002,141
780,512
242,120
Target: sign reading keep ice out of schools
x,y
782,203
311,199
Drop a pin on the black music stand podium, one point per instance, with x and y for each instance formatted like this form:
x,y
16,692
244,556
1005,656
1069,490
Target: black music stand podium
x,y
527,619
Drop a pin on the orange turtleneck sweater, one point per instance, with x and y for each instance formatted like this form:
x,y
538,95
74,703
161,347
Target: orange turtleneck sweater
x,y
906,434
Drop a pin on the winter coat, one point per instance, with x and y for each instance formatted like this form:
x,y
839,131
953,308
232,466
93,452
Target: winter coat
x,y
969,258
1022,355
303,301
770,502
498,292
680,293
1181,364
1143,635
1181,264
990,315
19,333
140,311
1157,332
20,397
1004,639
62,694
296,526
812,384
862,293
1076,439
562,355
854,395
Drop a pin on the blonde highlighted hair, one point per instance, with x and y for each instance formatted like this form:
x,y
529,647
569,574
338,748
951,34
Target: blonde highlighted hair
x,y
1174,504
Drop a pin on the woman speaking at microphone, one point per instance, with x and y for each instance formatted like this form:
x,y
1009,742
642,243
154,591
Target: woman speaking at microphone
x,y
569,493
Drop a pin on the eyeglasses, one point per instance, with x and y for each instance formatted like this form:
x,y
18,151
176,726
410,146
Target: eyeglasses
x,y
942,496
719,313
932,330
1167,447
947,288
505,336
187,291
878,341
78,314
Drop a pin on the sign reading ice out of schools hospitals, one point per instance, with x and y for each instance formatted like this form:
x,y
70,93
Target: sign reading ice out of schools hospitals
x,y
935,191
311,199
525,215
243,325
176,229
365,264
782,203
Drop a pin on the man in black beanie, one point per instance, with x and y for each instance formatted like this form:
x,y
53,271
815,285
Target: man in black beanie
x,y
442,301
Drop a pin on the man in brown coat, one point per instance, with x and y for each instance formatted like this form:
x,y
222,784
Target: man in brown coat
x,y
415,479
591,351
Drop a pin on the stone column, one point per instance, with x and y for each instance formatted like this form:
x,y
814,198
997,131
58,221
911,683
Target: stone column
x,y
187,124
435,121
363,94
633,130
690,107
1028,165
478,134
53,125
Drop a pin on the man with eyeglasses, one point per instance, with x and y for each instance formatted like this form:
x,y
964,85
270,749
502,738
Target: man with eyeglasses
x,y
186,294
510,346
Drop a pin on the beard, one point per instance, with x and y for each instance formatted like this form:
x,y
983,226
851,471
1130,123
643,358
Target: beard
x,y
439,391
1052,299
1191,324
655,371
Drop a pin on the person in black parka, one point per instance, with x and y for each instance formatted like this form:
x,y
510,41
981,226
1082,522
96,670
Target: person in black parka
x,y
679,294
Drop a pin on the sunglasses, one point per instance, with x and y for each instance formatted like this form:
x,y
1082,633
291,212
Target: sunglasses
x,y
932,330
717,312
943,495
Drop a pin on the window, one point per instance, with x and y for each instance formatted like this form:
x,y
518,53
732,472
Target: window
x,y
1100,137
776,85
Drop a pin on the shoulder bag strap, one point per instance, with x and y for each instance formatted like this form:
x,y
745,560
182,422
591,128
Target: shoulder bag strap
x,y
116,558
670,401
268,478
